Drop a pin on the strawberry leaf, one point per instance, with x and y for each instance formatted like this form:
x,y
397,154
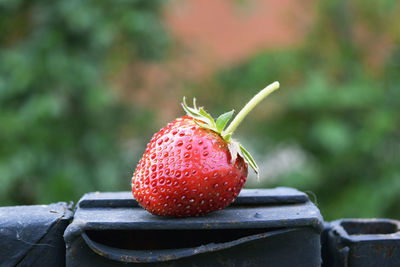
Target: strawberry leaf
x,y
226,137
187,108
223,120
194,103
191,111
249,160
199,114
208,116
204,125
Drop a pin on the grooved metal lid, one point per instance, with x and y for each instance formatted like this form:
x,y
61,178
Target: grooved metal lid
x,y
255,208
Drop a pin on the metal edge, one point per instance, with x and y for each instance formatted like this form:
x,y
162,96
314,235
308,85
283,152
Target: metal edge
x,y
246,197
339,230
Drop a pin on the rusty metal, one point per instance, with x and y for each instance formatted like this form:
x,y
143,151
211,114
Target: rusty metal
x,y
279,226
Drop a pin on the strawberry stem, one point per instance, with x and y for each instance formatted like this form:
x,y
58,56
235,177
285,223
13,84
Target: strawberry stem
x,y
249,107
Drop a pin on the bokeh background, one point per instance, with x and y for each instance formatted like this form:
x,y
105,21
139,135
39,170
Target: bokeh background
x,y
85,84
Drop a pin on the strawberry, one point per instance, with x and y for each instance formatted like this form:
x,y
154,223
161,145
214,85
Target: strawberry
x,y
192,166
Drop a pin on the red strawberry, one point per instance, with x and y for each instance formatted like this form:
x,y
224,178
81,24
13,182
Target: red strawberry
x,y
192,166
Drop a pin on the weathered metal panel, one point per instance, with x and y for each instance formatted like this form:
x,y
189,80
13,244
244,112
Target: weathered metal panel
x,y
364,242
271,227
33,235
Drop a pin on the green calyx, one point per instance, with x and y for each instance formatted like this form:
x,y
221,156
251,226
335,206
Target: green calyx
x,y
206,121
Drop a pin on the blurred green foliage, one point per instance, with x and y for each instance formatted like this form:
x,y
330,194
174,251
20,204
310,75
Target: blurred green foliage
x,y
60,124
63,132
339,111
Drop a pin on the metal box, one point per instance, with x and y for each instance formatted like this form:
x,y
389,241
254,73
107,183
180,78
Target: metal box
x,y
263,227
33,235
363,242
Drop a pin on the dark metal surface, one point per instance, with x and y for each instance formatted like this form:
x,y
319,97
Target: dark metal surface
x,y
364,242
297,247
108,228
139,256
278,195
325,253
33,235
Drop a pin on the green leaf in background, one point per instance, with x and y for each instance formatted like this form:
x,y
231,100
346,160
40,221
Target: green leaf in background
x,y
62,128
